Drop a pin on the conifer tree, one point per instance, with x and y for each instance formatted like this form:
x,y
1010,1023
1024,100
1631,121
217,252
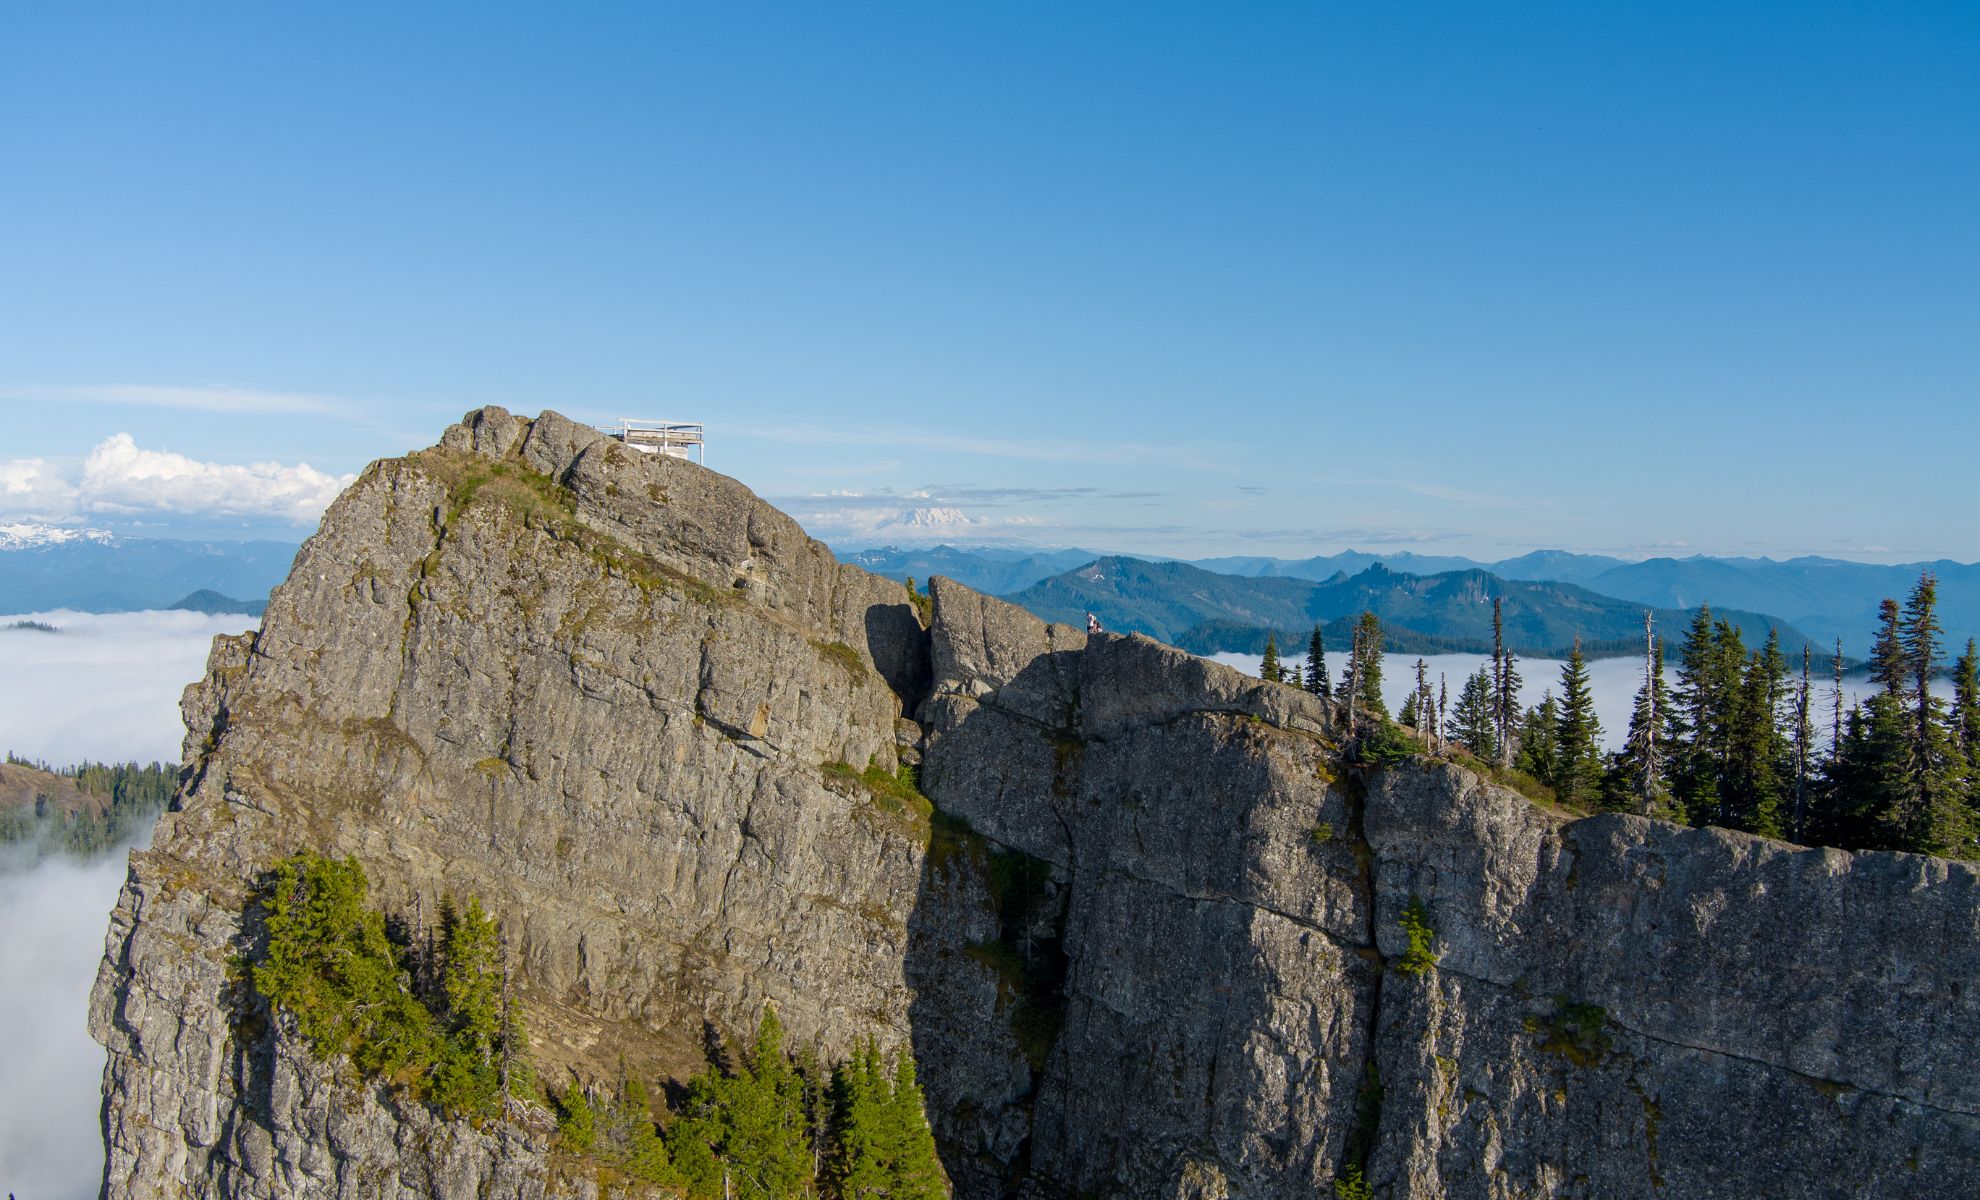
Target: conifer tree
x,y
1888,668
1804,738
1473,722
1751,789
1443,708
749,1128
1316,664
1536,738
1966,705
1836,723
1424,712
1505,688
1638,780
1577,773
857,1168
1268,667
1935,818
1370,631
1350,688
468,1077
1711,667
916,1170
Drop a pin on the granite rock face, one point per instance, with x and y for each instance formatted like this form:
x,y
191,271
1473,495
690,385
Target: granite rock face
x,y
1151,944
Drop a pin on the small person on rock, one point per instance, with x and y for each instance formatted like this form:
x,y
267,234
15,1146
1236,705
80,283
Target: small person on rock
x,y
1092,623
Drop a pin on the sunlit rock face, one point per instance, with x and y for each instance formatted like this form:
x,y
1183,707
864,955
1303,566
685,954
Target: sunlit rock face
x,y
1151,943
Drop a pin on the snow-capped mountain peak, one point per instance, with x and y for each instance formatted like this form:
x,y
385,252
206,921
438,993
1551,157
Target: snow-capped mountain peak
x,y
928,520
29,535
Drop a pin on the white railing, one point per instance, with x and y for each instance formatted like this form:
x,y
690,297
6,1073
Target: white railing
x,y
676,439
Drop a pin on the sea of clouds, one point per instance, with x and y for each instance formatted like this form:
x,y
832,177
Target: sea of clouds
x,y
105,688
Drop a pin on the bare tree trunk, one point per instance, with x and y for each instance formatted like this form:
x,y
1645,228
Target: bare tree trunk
x,y
503,949
1443,707
1835,729
1803,734
1423,714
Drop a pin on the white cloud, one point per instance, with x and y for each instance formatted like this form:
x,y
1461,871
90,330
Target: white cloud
x,y
50,1144
33,485
121,478
106,687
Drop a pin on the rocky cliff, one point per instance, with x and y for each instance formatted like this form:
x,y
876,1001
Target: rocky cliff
x,y
1156,940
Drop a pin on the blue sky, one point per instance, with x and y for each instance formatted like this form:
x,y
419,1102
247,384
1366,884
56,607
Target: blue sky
x,y
1185,279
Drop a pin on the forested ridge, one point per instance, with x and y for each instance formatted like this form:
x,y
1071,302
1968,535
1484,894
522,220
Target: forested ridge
x,y
1746,739
80,811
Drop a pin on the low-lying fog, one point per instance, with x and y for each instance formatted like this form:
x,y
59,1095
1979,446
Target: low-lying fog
x,y
104,687
1613,680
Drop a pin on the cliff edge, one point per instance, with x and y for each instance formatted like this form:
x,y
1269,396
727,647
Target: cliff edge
x,y
1155,939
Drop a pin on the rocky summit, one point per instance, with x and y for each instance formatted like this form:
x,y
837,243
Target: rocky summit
x,y
1154,937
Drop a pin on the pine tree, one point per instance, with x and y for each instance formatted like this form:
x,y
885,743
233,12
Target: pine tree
x,y
1752,789
1966,705
1577,772
1505,688
1443,708
916,1170
1268,667
749,1128
857,1167
1711,669
1473,723
1423,709
468,1076
1934,820
1370,630
1836,723
1804,743
1888,668
1536,738
1638,780
1316,664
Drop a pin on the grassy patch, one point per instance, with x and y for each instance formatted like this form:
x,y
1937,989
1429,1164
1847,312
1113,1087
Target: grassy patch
x,y
1387,746
1320,834
1576,1032
845,656
542,503
894,793
924,604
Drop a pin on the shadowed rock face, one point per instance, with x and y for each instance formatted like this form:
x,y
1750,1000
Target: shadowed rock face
x,y
1148,946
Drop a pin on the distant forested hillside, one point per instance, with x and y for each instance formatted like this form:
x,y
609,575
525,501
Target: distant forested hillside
x,y
82,811
1451,612
131,574
1822,598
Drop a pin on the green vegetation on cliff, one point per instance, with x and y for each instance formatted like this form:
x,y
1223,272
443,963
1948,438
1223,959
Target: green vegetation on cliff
x,y
430,1014
433,1015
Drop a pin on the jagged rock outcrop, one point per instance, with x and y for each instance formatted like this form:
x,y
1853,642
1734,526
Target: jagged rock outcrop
x,y
1150,945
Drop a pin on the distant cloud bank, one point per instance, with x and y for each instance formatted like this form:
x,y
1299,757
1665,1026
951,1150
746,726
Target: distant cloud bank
x,y
106,686
121,478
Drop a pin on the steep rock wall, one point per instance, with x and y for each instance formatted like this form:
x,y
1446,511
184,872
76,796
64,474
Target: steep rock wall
x,y
1149,945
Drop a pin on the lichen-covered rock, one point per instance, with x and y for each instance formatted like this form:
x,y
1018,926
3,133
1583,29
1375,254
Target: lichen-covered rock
x,y
1151,944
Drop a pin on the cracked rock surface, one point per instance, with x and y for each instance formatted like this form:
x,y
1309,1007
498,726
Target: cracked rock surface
x,y
1147,947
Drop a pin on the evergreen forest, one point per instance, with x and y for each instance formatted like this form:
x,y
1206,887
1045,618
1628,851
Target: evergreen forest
x,y
127,798
1744,739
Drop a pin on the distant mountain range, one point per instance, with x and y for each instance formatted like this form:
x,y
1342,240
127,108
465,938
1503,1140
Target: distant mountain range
x,y
1448,612
1823,598
47,567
